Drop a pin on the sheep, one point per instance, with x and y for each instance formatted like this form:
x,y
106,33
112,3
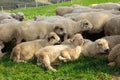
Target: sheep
x,y
4,21
63,10
38,30
114,56
60,53
71,27
106,6
79,10
92,49
7,34
18,16
98,20
26,50
5,15
112,26
112,40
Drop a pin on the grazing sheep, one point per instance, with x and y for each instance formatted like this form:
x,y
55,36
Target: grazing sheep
x,y
114,56
112,27
31,30
106,6
112,40
7,34
26,50
93,49
55,54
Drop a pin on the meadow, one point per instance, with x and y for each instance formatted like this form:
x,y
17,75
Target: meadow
x,y
85,68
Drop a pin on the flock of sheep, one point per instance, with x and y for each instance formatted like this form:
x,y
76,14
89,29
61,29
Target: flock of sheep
x,y
75,31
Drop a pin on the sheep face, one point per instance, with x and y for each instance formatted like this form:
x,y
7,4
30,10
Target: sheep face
x,y
78,39
85,25
59,30
20,16
53,38
102,45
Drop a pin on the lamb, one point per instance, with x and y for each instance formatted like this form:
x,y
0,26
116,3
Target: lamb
x,y
7,34
106,6
112,40
112,27
92,49
38,29
114,56
98,20
60,53
26,50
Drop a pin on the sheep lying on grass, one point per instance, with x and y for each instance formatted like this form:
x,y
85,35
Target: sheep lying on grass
x,y
26,50
114,56
93,49
55,54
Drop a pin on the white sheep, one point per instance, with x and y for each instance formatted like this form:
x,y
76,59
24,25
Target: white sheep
x,y
26,50
56,54
93,49
114,56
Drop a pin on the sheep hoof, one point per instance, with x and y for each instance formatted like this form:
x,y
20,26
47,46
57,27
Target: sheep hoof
x,y
112,64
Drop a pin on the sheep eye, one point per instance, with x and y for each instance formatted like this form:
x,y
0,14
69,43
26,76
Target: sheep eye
x,y
85,23
100,44
48,39
61,29
52,37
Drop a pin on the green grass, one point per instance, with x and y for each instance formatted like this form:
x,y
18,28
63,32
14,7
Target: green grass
x,y
85,68
50,10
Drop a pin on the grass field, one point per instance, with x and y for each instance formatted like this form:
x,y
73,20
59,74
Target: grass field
x,y
85,68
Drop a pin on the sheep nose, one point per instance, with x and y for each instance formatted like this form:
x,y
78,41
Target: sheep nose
x,y
107,50
59,41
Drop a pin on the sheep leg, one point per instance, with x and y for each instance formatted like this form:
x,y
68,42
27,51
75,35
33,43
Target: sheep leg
x,y
112,64
21,61
46,61
65,55
62,58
